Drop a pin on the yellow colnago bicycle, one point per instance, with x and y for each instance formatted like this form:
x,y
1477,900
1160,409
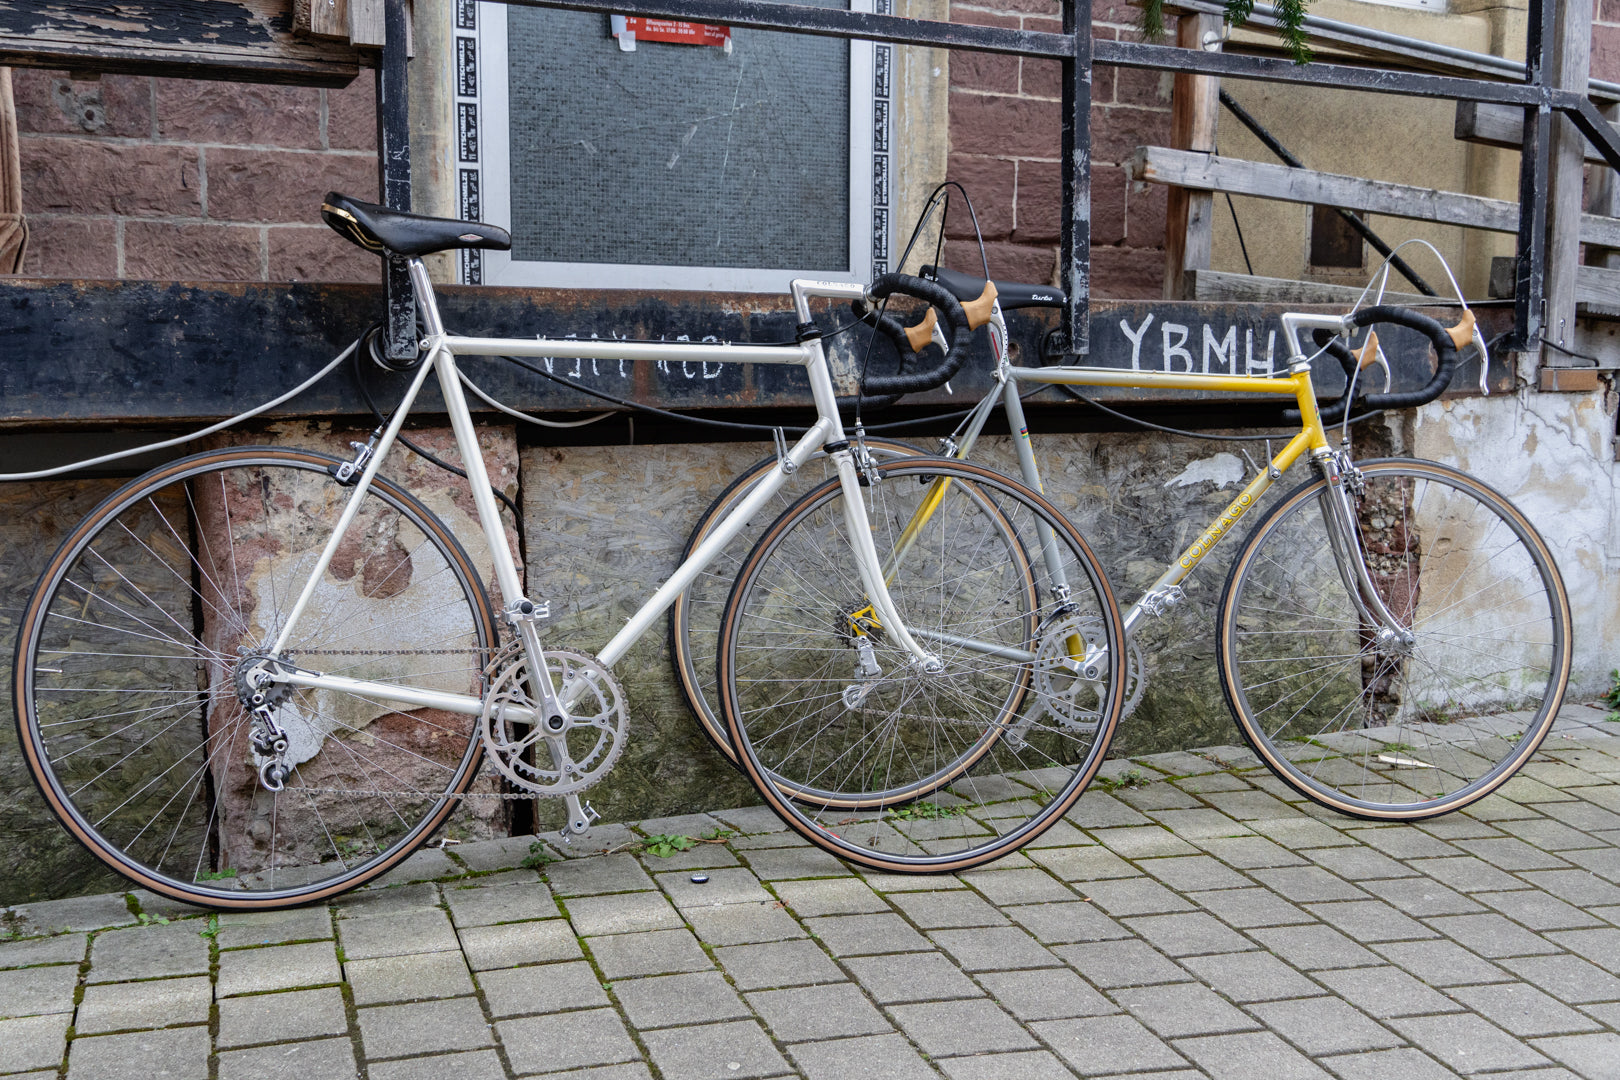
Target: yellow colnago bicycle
x,y
1393,637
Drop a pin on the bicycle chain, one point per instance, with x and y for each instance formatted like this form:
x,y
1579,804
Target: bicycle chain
x,y
418,794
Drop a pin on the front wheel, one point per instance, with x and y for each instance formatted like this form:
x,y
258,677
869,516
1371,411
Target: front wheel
x,y
881,758
1364,722
141,641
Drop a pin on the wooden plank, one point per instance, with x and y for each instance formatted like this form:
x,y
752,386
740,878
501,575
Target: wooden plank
x,y
1605,201
241,40
1209,172
366,22
168,353
1597,290
1194,113
321,18
1503,125
1571,69
1215,286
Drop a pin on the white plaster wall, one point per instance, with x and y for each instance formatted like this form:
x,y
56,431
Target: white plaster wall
x,y
1553,456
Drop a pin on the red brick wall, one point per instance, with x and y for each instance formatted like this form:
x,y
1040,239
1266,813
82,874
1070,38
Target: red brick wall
x,y
127,177
1005,143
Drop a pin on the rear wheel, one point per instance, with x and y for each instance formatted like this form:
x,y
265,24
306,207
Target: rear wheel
x,y
135,662
1369,725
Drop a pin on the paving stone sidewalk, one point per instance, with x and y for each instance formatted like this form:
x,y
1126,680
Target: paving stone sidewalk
x,y
1193,918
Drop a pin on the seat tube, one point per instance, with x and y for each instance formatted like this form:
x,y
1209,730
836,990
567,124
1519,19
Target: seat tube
x,y
1019,429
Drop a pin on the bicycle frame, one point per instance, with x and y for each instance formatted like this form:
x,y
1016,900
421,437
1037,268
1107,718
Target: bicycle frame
x,y
442,349
1339,518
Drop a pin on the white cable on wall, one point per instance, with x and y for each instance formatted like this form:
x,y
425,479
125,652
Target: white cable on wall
x,y
165,444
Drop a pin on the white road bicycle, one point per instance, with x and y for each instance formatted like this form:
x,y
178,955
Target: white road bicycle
x,y
259,676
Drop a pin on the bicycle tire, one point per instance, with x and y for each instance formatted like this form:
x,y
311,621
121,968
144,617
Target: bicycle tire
x,y
994,765
126,679
1402,733
694,618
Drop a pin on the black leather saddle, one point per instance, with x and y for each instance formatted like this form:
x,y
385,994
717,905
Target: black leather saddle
x,y
1011,294
377,228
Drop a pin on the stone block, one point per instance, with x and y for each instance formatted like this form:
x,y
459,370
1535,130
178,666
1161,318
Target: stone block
x,y
467,1065
930,911
658,952
396,935
153,1004
1313,948
752,819
724,886
1441,963
1523,1010
571,1040
588,877
1252,976
546,988
268,186
416,977
315,1059
909,977
737,1049
75,913
238,929
1422,897
776,864
1233,1057
1369,920
397,900
1016,127
226,112
1589,1055
263,1018
623,913
1567,978
1384,992
1306,884
1045,994
1134,896
666,1000
502,853
201,252
1000,948
1083,864
1056,924
1143,842
1098,1044
803,1014
172,1054
146,952
1248,852
1003,887
993,181
1492,936
780,963
878,1057
63,949
1467,1043
37,991
1537,910
87,176
474,906
512,944
35,1042
391,1031
1188,934
856,935
277,967
425,864
1405,1064
974,1026
1110,964
1404,844
841,896
693,825
1324,1025
743,924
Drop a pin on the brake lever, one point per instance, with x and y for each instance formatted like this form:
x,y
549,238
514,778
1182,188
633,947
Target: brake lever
x,y
1371,353
944,346
1484,362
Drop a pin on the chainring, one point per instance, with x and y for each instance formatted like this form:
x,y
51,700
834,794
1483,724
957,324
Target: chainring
x,y
537,758
1071,700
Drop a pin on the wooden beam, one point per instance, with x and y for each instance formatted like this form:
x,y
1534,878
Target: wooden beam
x,y
321,18
1502,125
1571,69
1215,286
1209,172
1194,111
238,40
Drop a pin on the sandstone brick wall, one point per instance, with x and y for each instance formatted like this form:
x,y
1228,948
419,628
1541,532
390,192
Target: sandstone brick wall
x,y
127,177
1006,130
